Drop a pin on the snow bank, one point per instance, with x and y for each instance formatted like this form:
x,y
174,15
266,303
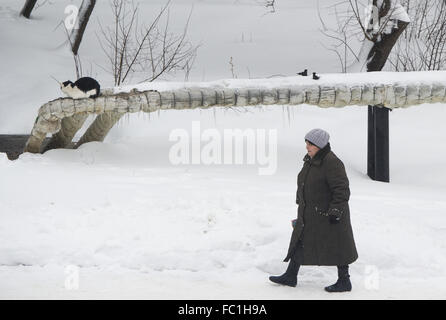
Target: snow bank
x,y
139,227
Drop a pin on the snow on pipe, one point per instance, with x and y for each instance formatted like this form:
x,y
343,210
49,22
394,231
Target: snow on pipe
x,y
394,95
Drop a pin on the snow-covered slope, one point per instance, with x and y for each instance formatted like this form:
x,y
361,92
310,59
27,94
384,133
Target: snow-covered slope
x,y
137,226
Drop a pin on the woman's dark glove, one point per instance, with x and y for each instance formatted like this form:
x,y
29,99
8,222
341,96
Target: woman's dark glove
x,y
334,219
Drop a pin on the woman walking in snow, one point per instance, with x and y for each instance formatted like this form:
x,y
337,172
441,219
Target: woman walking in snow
x,y
322,234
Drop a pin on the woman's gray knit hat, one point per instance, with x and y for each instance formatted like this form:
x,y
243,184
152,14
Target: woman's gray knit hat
x,y
318,137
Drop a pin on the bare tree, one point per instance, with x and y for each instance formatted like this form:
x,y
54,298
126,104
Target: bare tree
x,y
386,22
74,37
375,26
379,27
422,45
133,49
344,35
28,8
85,11
71,125
76,58
268,4
385,35
147,51
231,64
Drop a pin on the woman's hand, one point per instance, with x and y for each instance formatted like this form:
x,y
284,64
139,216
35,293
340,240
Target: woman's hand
x,y
334,219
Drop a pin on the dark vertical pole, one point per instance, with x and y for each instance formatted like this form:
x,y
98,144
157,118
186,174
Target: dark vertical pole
x,y
378,116
371,143
378,144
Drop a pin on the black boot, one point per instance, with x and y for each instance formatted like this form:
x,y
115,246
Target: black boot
x,y
289,278
343,284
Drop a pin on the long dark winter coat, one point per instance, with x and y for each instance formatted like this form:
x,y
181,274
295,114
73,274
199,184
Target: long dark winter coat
x,y
323,190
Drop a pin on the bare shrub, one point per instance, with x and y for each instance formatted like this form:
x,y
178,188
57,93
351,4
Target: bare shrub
x,y
147,51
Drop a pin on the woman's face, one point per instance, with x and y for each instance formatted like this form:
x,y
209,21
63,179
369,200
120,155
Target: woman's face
x,y
312,149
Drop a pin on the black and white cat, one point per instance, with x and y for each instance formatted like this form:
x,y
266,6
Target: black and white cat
x,y
84,87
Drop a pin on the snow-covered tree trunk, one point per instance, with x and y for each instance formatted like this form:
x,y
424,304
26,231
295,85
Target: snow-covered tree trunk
x,y
85,11
28,8
386,22
110,107
380,51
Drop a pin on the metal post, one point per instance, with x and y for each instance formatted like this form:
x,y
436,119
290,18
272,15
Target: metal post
x,y
378,144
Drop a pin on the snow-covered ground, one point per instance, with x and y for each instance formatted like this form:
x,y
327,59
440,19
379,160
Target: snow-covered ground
x,y
127,223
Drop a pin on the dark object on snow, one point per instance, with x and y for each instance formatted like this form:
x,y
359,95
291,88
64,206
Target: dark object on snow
x,y
315,76
343,284
84,87
323,190
28,8
289,278
378,143
13,144
303,73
